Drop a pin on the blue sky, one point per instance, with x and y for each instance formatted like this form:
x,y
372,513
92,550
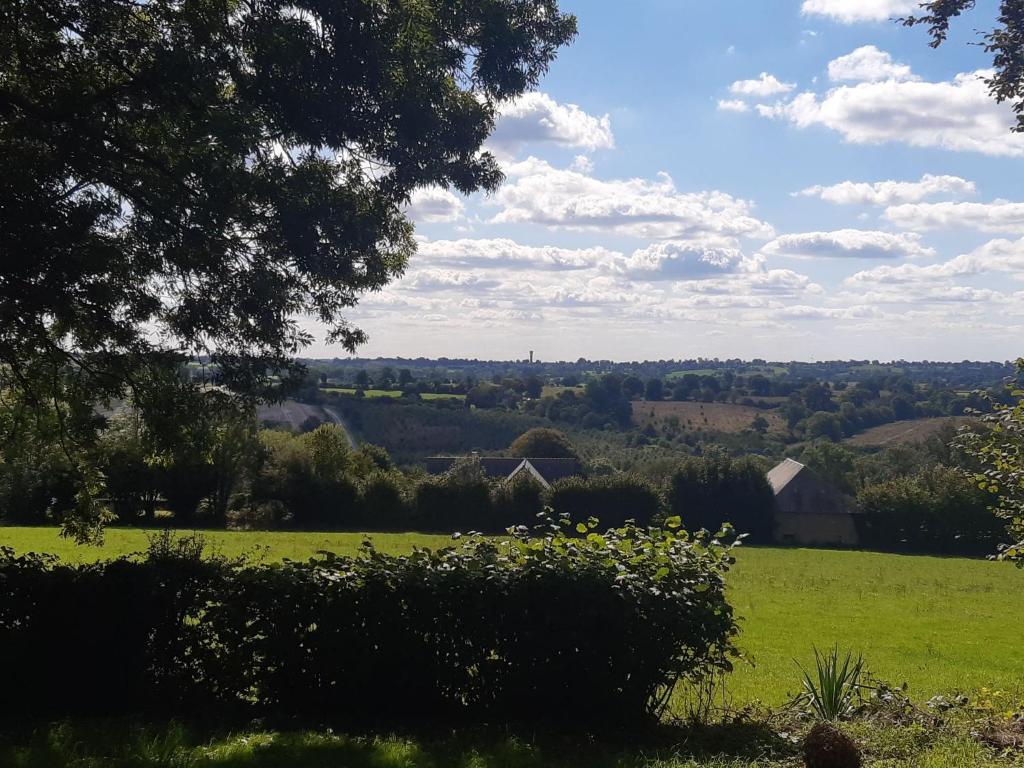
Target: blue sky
x,y
789,179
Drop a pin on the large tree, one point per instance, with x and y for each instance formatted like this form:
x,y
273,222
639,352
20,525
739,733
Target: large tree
x,y
1005,42
192,178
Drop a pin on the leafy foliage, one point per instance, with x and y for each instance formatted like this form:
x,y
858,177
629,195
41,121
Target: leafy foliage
x,y
1005,42
708,491
543,443
185,179
548,628
612,498
938,510
999,453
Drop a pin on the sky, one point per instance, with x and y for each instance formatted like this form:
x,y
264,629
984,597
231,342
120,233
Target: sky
x,y
780,179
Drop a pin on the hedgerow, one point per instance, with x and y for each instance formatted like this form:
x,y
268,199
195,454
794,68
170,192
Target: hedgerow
x,y
556,626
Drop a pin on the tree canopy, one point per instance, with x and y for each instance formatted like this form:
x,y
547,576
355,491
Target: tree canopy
x,y
1005,42
195,177
543,443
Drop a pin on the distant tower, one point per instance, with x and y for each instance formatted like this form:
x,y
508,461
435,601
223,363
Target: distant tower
x,y
531,355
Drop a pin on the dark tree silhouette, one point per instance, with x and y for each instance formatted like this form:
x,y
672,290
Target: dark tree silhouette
x,y
1005,42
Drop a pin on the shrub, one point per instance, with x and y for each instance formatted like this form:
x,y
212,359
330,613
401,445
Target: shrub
x,y
830,692
460,499
938,510
308,475
710,490
384,505
613,499
547,630
517,501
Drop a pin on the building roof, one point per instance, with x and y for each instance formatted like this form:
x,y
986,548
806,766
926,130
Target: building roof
x,y
500,467
799,489
780,475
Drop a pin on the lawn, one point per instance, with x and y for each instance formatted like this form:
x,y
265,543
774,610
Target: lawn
x,y
938,624
394,393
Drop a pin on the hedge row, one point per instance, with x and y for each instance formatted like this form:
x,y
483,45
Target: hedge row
x,y
556,628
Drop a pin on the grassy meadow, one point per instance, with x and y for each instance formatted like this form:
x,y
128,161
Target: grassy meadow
x,y
938,624
394,393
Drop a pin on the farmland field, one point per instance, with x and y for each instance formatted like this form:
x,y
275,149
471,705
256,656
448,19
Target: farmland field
x,y
938,624
394,393
552,390
718,417
910,431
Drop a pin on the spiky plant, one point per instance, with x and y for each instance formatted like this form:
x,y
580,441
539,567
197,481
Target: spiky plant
x,y
831,692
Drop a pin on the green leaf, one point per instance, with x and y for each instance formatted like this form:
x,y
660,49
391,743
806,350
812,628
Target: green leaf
x,y
581,527
673,522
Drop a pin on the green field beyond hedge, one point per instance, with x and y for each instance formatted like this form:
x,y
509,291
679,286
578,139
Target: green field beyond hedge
x,y
939,624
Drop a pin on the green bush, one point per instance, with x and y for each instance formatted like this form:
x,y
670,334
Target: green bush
x,y
710,490
383,501
460,499
549,629
517,501
613,499
938,510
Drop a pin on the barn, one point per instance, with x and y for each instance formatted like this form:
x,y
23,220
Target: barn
x,y
810,510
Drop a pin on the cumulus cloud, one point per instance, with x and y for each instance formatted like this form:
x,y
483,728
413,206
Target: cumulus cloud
x,y
681,261
889,192
956,115
996,256
539,193
1000,216
508,254
765,85
868,64
733,105
853,11
434,204
848,243
537,118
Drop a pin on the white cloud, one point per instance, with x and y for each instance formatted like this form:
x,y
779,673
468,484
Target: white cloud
x,y
996,256
538,193
889,192
848,243
867,64
536,117
681,261
1000,216
764,85
583,164
508,254
852,11
732,105
434,204
959,115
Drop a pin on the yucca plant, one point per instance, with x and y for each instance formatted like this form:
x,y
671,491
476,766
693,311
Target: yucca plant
x,y
831,693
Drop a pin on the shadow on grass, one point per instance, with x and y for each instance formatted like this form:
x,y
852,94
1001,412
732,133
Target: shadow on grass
x,y
123,744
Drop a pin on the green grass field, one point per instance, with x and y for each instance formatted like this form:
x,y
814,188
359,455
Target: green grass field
x,y
394,393
938,624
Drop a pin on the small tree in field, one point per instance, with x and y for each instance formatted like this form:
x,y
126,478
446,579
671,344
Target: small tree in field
x,y
543,443
1000,453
